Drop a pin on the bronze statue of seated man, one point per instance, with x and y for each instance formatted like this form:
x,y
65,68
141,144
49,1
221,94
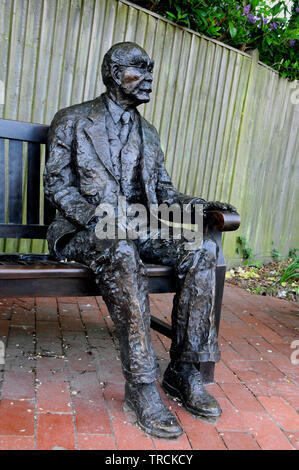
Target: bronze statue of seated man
x,y
98,151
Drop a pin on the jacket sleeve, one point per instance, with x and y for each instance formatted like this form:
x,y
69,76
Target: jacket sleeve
x,y
59,175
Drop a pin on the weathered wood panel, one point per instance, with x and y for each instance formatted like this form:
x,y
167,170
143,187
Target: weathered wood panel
x,y
227,123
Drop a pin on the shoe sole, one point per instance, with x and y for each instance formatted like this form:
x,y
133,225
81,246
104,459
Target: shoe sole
x,y
174,393
128,406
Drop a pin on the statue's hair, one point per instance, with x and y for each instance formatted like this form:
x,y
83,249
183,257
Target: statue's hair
x,y
118,54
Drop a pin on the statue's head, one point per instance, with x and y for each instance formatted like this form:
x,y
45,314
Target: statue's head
x,y
127,73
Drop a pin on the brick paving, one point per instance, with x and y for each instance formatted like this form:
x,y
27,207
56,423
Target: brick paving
x,y
61,385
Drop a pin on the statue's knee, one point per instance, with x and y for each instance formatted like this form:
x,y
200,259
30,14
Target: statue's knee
x,y
125,254
208,249
124,249
206,255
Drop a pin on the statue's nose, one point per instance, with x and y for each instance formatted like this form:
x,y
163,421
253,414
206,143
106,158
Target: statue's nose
x,y
148,77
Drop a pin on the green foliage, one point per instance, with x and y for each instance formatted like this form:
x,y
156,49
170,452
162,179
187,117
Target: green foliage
x,y
292,252
243,249
257,290
279,278
275,254
291,273
273,30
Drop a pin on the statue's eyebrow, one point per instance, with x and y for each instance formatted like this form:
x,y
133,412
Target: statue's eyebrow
x,y
138,62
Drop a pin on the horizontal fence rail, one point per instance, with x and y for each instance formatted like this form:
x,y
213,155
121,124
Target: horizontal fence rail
x,y
228,124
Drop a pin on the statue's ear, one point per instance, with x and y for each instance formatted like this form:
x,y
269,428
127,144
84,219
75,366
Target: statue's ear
x,y
116,73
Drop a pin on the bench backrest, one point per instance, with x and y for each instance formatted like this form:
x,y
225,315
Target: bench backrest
x,y
23,211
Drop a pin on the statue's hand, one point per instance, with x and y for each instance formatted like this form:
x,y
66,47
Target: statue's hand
x,y
218,206
211,205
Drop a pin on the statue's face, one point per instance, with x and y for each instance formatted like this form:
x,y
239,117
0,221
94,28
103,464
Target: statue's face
x,y
135,77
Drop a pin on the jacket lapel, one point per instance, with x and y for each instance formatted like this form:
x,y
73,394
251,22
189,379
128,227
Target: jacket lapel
x,y
98,135
148,161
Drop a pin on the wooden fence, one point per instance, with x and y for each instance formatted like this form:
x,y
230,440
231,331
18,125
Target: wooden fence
x,y
228,124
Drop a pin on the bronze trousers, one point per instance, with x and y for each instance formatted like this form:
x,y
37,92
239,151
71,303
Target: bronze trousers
x,y
121,275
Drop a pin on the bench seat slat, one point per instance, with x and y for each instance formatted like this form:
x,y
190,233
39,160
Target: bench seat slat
x,y
42,271
10,269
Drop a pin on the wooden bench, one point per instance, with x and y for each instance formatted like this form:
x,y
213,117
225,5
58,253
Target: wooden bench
x,y
22,150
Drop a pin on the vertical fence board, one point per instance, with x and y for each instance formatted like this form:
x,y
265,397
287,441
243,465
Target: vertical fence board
x,y
15,58
29,62
6,12
2,181
94,49
70,46
43,71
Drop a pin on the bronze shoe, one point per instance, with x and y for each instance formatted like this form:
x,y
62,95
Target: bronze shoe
x,y
186,385
152,414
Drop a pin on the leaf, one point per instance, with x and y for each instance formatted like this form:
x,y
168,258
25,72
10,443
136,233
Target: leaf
x,y
171,15
254,3
178,9
204,21
201,12
232,30
277,8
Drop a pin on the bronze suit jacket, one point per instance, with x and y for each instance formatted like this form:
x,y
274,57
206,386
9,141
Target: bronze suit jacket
x,y
79,173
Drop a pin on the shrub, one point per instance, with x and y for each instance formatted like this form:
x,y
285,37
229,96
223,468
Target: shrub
x,y
273,30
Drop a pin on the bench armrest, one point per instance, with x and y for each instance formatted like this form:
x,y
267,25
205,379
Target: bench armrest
x,y
222,221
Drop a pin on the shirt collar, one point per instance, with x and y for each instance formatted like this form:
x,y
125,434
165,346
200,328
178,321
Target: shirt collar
x,y
116,111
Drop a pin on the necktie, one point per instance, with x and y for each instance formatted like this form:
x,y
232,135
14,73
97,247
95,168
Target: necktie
x,y
125,120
